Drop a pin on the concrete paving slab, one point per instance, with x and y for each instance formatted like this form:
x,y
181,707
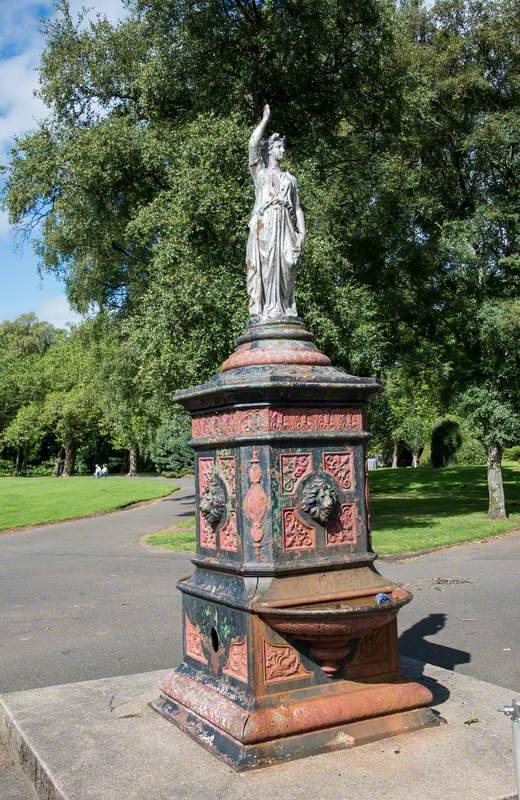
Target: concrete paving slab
x,y
99,740
14,783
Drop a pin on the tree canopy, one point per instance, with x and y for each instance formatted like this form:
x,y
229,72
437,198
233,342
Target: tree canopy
x,y
403,128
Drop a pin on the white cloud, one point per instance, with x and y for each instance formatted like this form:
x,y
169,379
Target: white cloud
x,y
112,9
57,311
19,108
22,43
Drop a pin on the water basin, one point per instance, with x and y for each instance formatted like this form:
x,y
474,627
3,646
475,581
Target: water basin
x,y
330,628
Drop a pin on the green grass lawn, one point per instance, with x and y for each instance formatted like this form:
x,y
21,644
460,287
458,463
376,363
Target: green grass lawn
x,y
32,501
422,508
181,537
414,509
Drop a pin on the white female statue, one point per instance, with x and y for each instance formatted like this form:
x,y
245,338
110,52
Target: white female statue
x,y
276,229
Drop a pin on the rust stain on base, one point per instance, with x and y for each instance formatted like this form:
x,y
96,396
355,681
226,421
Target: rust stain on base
x,y
301,716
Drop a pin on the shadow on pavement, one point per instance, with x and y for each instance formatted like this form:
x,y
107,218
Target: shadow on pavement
x,y
418,651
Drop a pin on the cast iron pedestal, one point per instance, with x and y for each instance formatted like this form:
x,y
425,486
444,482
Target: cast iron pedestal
x,y
286,651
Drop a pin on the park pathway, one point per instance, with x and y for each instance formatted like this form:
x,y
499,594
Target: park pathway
x,y
83,600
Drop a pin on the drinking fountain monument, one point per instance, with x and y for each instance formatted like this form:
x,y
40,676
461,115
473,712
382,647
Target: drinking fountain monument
x,y
289,632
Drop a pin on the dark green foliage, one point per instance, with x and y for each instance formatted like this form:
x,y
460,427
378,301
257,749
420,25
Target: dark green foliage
x,y
170,452
470,452
403,124
446,441
512,453
41,470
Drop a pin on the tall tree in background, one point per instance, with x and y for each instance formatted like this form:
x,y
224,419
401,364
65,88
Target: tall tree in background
x,y
404,124
492,403
71,407
24,342
139,176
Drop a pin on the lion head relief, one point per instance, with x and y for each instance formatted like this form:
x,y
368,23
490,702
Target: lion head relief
x,y
320,500
213,502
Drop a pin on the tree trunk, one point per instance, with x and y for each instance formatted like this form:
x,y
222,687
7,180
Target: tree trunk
x,y
132,461
394,455
415,459
497,503
70,461
57,463
20,461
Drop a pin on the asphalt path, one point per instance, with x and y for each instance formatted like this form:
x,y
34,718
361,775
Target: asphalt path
x,y
85,599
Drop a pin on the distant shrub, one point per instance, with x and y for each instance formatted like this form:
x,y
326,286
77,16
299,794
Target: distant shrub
x,y
426,456
174,473
453,442
170,452
446,441
512,453
471,452
39,470
6,466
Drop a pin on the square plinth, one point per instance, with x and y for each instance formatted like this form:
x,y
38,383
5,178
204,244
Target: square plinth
x,y
99,740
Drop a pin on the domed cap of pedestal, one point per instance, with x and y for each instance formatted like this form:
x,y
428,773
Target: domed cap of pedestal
x,y
283,341
277,360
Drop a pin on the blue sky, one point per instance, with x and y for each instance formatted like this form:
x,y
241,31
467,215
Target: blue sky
x,y
21,288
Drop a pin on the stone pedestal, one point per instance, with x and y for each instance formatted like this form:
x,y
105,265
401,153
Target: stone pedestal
x,y
287,651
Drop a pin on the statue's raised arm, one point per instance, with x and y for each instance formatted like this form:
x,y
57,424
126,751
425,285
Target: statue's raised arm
x,y
255,154
276,229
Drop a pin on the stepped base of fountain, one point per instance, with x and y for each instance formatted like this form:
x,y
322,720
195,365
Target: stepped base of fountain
x,y
352,714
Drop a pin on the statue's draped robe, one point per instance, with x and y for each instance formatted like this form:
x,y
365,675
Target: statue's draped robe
x,y
272,247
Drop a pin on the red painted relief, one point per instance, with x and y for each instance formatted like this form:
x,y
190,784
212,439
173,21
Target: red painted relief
x,y
297,535
282,663
264,420
228,471
236,665
373,647
229,533
297,420
367,499
208,537
231,423
205,470
343,530
255,503
194,642
294,467
341,467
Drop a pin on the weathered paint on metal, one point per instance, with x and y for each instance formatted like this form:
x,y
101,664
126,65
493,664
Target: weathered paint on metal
x,y
281,452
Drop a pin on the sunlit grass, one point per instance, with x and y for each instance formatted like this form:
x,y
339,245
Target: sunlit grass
x,y
180,537
425,508
33,501
414,509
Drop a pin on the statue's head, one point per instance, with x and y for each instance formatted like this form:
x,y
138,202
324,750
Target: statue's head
x,y
273,148
320,501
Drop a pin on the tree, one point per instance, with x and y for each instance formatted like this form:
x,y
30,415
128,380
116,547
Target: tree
x,y
24,434
412,403
139,176
171,451
493,403
403,126
71,407
23,345
130,414
27,335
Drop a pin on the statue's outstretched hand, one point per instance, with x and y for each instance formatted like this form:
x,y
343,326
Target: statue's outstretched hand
x,y
267,113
